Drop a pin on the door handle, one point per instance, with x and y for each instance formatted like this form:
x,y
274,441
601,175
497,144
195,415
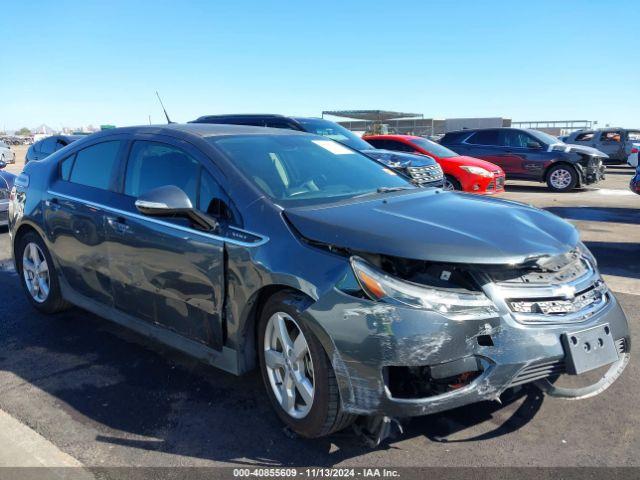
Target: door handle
x,y
53,204
119,224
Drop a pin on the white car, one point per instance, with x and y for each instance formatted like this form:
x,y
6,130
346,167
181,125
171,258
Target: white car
x,y
6,154
633,156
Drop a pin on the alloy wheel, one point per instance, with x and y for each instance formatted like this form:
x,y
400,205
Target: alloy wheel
x,y
35,272
448,186
560,178
289,365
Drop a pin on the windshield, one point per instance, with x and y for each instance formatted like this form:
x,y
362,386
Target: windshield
x,y
333,131
305,169
544,137
433,148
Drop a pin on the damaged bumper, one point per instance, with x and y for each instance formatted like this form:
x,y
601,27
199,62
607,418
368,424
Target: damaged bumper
x,y
399,361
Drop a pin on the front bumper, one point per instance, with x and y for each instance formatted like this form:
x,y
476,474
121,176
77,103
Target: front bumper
x,y
483,185
593,172
370,337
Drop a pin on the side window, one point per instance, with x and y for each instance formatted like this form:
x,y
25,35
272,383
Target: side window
x,y
584,137
279,123
152,165
614,136
60,144
514,138
94,165
484,137
213,200
65,167
48,145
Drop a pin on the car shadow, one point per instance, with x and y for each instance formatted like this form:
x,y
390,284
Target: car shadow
x,y
598,214
130,391
620,259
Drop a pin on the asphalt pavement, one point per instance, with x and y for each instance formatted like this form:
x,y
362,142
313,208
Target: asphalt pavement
x,y
103,396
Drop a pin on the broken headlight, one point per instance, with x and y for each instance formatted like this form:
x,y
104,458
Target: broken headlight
x,y
452,303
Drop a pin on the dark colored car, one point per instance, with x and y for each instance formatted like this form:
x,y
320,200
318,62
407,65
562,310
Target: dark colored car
x,y
634,185
357,294
6,184
526,154
45,147
424,170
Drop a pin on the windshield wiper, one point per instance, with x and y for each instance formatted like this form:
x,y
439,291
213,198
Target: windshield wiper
x,y
384,190
392,189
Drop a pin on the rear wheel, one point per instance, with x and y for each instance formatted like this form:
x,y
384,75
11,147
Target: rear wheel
x,y
39,279
297,374
450,183
562,178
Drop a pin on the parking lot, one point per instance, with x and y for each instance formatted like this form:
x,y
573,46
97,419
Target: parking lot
x,y
108,397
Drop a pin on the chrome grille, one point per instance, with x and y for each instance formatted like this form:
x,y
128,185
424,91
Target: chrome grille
x,y
429,173
568,290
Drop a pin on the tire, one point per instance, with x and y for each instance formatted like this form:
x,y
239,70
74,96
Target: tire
x,y
324,413
53,301
562,178
451,183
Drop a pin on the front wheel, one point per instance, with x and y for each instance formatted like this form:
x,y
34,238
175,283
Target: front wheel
x,y
562,178
297,374
450,183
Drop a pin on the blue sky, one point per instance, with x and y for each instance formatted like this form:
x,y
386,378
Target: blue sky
x,y
75,63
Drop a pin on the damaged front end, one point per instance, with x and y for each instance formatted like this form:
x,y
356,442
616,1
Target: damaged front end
x,y
414,337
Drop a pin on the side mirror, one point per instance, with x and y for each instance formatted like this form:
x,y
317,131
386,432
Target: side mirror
x,y
535,145
170,200
2,164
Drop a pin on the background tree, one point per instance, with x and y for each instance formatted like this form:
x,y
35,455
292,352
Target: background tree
x,y
24,131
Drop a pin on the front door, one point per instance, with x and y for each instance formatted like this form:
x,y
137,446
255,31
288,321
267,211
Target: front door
x,y
164,270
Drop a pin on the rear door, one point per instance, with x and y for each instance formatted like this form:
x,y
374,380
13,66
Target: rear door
x,y
485,144
165,270
75,217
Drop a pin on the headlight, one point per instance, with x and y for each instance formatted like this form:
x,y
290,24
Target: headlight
x,y
455,305
477,171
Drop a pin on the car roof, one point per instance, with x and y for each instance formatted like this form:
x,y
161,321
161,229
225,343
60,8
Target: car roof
x,y
393,135
238,116
202,130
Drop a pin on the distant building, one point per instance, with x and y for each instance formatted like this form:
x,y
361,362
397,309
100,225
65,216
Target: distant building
x,y
382,121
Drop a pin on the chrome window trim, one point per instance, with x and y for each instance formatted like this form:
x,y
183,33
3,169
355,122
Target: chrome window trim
x,y
262,241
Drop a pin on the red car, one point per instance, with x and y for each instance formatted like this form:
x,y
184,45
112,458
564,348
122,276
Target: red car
x,y
468,174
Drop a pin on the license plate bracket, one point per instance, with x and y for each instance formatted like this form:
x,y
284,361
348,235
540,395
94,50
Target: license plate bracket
x,y
589,349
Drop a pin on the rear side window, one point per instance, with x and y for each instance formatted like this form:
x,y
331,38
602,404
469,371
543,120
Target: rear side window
x,y
584,137
634,135
484,137
94,165
152,165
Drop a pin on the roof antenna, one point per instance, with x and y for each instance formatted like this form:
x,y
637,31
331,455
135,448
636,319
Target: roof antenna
x,y
163,109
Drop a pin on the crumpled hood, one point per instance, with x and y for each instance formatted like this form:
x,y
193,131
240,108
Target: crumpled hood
x,y
567,147
437,226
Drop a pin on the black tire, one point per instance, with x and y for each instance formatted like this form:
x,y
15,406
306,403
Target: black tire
x,y
566,172
326,415
453,181
54,302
